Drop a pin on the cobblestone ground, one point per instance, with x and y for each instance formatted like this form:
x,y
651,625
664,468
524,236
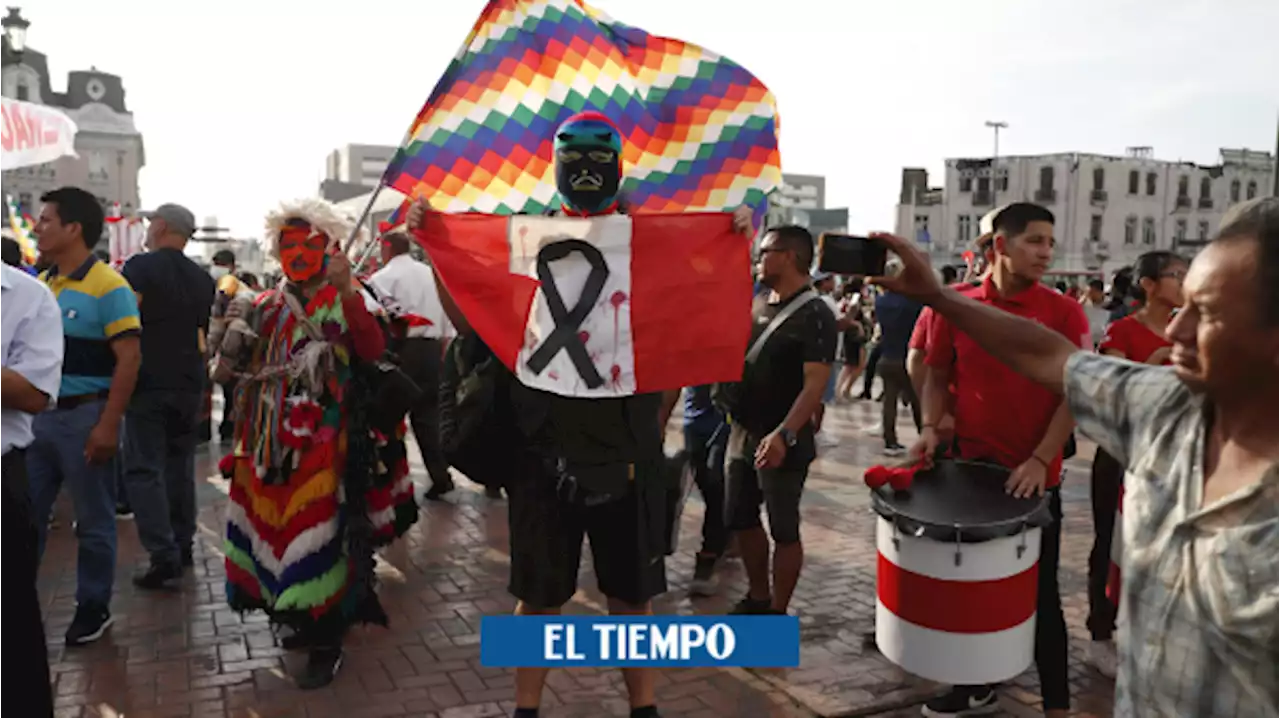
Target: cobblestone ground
x,y
184,653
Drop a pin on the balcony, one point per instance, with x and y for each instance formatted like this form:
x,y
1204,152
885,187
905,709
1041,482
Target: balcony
x,y
982,199
1183,202
1047,195
1098,196
1206,203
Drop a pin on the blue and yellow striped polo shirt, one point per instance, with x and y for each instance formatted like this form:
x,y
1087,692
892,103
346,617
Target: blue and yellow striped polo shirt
x,y
97,306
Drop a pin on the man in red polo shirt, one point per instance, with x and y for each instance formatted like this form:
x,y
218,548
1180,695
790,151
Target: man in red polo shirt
x,y
1003,417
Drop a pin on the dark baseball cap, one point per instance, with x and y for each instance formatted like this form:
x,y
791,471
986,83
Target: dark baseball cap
x,y
179,219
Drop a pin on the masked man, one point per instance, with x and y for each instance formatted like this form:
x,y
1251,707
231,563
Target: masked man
x,y
585,467
318,475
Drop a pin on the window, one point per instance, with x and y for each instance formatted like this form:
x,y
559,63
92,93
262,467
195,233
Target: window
x,y
966,184
1095,228
1252,191
1184,184
1205,187
1133,181
964,228
1148,231
922,228
1099,178
1180,231
1130,229
1002,183
25,203
1235,190
1046,178
23,92
1204,231
984,185
1151,184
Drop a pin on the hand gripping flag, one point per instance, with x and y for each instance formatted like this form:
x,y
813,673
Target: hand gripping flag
x,y
701,132
603,306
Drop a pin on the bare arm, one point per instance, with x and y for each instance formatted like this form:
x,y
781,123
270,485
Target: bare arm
x,y
1029,348
18,393
1056,435
935,399
816,376
917,370
128,351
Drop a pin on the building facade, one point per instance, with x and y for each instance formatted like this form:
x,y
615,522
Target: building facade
x,y
802,200
108,144
353,170
1109,209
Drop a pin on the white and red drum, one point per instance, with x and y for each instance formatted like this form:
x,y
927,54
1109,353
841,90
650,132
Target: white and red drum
x,y
956,575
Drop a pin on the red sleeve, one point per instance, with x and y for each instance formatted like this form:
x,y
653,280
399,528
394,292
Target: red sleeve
x,y
1076,326
366,333
920,333
1116,339
942,343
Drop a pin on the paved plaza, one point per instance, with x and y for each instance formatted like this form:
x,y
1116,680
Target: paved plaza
x,y
185,654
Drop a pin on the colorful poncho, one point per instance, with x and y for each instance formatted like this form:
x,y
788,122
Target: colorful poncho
x,y
314,488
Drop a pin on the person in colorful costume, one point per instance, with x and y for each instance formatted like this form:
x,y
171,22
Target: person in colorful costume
x,y
574,442
318,471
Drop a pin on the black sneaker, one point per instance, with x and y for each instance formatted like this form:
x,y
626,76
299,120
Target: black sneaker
x,y
322,668
124,512
704,581
90,622
493,492
749,606
963,701
158,576
894,450
438,490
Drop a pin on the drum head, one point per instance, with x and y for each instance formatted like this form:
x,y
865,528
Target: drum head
x,y
962,497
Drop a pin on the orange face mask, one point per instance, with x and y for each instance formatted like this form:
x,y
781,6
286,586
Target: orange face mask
x,y
302,253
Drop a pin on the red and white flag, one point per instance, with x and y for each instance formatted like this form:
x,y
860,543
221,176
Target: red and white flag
x,y
602,306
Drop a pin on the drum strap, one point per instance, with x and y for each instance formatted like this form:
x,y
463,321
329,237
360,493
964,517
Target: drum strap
x,y
779,319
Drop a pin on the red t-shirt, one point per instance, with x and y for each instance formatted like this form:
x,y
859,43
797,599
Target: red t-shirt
x,y
1001,415
920,334
1133,339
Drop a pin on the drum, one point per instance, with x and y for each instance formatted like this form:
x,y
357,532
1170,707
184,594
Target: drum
x,y
956,579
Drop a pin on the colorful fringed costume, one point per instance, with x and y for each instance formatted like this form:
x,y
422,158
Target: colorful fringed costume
x,y
315,487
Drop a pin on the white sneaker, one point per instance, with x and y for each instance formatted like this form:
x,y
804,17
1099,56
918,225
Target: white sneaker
x,y
876,431
1102,656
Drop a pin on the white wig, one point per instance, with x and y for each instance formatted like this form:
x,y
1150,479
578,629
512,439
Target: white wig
x,y
324,217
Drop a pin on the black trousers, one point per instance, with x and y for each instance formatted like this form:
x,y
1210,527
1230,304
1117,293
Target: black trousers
x,y
897,384
1104,494
420,358
160,471
869,374
1051,625
27,691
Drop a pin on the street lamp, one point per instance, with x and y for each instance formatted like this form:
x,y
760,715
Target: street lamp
x,y
15,30
996,126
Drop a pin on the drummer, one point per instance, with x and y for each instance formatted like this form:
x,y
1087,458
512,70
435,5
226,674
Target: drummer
x,y
1007,419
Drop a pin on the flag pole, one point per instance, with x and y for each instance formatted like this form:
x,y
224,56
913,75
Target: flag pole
x,y
368,207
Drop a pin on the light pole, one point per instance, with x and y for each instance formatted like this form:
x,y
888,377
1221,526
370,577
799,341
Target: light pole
x,y
995,126
13,42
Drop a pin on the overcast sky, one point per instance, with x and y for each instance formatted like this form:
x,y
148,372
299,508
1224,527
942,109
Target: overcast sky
x,y
239,102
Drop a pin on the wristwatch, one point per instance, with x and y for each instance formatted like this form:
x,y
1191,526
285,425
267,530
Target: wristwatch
x,y
788,437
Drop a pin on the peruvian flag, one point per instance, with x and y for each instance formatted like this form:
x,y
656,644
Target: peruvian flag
x,y
602,306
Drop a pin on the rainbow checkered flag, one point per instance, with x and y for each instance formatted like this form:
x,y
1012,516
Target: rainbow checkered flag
x,y
701,131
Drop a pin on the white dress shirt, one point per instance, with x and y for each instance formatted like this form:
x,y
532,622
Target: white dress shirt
x,y
409,287
31,324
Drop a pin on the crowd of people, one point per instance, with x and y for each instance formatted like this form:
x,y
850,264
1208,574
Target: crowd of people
x,y
107,377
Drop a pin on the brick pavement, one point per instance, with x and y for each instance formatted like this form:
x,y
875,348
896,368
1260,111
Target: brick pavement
x,y
185,654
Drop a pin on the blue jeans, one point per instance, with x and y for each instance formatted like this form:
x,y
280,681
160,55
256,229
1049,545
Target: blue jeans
x,y
57,456
160,470
706,455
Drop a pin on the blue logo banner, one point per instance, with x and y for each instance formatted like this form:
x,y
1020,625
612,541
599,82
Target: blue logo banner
x,y
631,641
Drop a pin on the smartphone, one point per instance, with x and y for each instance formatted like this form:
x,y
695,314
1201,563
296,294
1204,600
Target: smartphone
x,y
851,255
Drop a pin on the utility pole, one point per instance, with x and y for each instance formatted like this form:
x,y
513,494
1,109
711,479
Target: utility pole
x,y
995,126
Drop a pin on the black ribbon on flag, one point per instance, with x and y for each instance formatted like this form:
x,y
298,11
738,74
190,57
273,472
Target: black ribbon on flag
x,y
567,321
